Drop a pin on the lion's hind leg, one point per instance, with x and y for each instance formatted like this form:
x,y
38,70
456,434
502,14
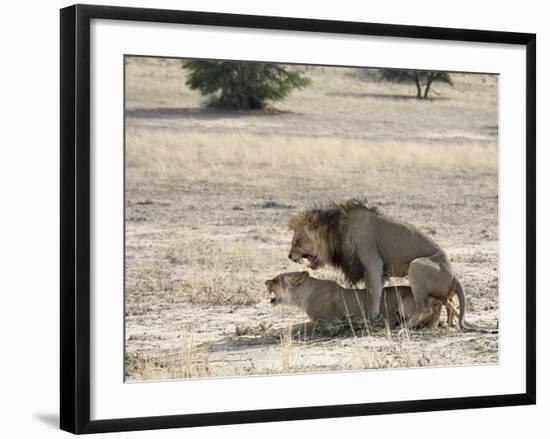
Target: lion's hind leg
x,y
427,275
451,312
435,305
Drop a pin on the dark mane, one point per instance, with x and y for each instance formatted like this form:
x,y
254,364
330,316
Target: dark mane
x,y
331,212
342,252
351,266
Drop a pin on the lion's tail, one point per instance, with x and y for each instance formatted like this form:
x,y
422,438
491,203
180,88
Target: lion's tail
x,y
471,326
461,301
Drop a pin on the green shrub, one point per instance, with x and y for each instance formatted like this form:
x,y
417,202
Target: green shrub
x,y
242,85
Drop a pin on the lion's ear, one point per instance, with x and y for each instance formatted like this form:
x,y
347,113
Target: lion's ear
x,y
307,219
298,279
312,221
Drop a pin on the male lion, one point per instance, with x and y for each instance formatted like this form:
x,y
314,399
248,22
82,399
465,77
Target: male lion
x,y
325,300
369,247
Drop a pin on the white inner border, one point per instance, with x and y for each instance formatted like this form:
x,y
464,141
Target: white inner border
x,y
111,398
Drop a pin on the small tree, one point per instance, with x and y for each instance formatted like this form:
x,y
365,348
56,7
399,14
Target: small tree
x,y
420,78
242,85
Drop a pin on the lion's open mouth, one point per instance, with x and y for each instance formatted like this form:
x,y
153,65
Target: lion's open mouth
x,y
273,295
313,261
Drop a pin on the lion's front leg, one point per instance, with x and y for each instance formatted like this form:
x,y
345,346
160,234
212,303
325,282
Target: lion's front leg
x,y
375,285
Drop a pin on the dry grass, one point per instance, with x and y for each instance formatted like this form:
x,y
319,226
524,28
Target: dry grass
x,y
208,195
200,157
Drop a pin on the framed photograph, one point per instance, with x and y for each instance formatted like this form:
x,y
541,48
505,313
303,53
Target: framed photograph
x,y
275,218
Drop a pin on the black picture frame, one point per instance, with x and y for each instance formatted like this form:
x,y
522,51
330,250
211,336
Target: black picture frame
x,y
75,217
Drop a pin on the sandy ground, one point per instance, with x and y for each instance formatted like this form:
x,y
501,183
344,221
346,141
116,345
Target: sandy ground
x,y
208,195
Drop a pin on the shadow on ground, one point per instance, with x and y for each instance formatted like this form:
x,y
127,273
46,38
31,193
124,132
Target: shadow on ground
x,y
386,96
194,113
49,419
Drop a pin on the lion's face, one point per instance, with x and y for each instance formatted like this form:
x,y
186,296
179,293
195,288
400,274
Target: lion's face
x,y
306,245
309,240
281,286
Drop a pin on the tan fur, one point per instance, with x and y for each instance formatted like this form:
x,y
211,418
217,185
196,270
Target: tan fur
x,y
325,300
452,313
368,247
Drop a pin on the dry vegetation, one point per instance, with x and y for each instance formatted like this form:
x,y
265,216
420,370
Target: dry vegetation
x,y
208,194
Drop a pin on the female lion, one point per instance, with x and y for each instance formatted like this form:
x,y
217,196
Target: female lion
x,y
325,300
